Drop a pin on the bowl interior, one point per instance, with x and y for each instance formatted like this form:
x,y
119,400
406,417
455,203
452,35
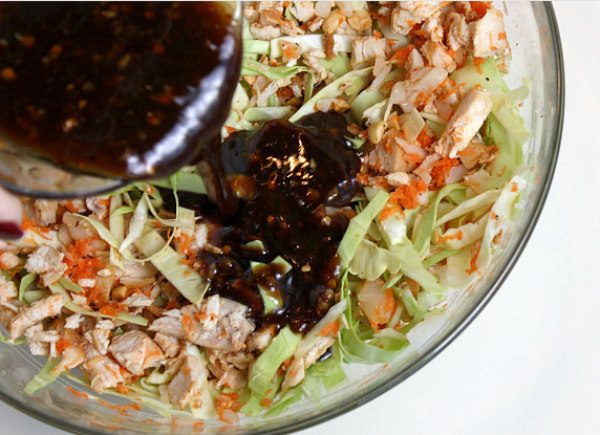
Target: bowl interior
x,y
531,28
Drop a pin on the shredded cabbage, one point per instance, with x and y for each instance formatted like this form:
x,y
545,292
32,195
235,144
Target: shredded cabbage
x,y
264,369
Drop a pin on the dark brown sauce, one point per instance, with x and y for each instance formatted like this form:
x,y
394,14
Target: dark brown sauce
x,y
295,181
126,90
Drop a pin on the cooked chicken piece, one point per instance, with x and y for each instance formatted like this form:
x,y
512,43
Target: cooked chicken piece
x,y
99,336
73,356
387,160
489,35
38,311
464,124
265,33
186,387
45,211
137,300
304,10
8,291
229,368
138,274
433,27
408,14
424,169
260,340
73,321
323,8
311,58
366,49
414,60
8,261
459,32
102,371
98,205
333,21
169,345
74,205
398,179
415,91
169,324
297,369
476,153
135,351
36,347
78,228
437,56
220,323
46,261
360,20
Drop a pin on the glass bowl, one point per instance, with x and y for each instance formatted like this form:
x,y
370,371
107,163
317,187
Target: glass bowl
x,y
532,29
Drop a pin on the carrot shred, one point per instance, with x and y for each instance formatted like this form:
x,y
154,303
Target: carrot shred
x,y
440,171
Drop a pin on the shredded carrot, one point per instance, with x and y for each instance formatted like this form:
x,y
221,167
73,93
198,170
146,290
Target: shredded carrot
x,y
401,55
62,345
331,329
77,393
198,427
480,8
377,34
413,158
425,139
112,309
514,187
390,209
266,402
473,263
440,171
478,61
407,196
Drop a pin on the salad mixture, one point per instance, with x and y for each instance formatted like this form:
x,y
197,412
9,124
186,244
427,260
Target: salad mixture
x,y
367,168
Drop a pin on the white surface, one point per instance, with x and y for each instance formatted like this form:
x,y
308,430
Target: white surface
x,y
530,363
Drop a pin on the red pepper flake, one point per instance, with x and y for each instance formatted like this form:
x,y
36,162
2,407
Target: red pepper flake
x,y
77,393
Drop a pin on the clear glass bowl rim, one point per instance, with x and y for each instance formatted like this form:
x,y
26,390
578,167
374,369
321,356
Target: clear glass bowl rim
x,y
350,403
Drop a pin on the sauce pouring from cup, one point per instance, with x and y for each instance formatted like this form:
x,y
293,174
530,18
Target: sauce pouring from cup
x,y
122,91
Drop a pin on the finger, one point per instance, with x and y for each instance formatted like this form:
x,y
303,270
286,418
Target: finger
x,y
10,216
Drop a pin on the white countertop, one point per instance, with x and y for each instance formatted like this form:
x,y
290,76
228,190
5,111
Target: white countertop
x,y
530,363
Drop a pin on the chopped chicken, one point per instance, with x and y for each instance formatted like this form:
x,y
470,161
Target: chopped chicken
x,y
45,211
8,261
260,340
220,323
38,311
73,356
459,32
78,228
414,61
408,14
102,371
229,367
438,56
297,369
137,300
398,179
169,345
366,49
489,35
311,58
476,153
169,324
186,387
433,27
465,123
98,205
304,10
73,321
323,8
46,261
265,33
74,205
8,291
39,341
138,274
99,336
135,351
415,91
